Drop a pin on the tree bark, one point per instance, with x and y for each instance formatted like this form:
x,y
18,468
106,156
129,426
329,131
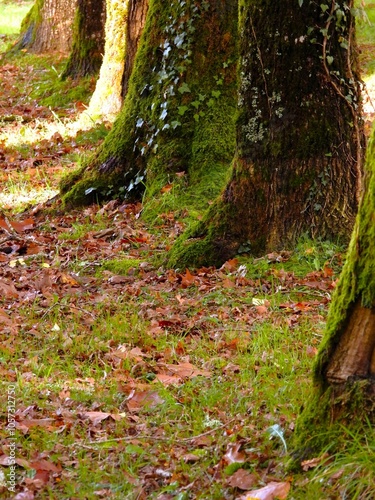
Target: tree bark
x,y
88,39
124,26
300,138
178,114
137,14
344,372
48,27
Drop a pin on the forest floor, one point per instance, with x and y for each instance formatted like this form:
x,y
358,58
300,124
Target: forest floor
x,y
129,380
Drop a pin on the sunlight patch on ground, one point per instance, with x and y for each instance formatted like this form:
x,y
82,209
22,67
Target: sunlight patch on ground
x,y
22,196
26,135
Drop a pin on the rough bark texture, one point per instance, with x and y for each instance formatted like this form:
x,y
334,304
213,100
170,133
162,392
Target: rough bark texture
x,y
299,135
178,115
344,374
48,26
88,39
106,100
137,13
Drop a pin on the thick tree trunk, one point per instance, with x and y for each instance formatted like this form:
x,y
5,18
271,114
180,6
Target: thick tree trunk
x,y
124,26
88,39
344,374
178,115
48,26
299,135
136,21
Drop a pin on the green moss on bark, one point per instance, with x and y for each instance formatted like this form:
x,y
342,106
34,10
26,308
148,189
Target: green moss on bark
x,y
357,281
329,417
352,403
29,25
205,241
88,40
296,133
178,115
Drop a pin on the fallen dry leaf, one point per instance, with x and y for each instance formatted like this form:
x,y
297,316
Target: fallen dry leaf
x,y
272,491
98,416
234,453
168,379
8,290
187,279
18,226
45,465
183,370
313,462
138,400
242,479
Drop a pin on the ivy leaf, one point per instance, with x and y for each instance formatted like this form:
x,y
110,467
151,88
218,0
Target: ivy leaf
x,y
300,3
344,45
182,110
184,88
216,93
329,60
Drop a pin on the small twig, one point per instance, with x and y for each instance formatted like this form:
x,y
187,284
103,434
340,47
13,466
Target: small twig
x,y
7,238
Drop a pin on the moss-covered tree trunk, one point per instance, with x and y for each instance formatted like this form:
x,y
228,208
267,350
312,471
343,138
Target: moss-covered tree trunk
x,y
88,39
178,114
299,134
344,375
124,26
48,26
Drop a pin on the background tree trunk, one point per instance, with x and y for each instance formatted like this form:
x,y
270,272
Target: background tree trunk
x,y
299,135
124,26
88,39
137,14
344,374
48,26
178,115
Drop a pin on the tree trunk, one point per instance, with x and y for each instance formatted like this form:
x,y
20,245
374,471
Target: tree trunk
x,y
299,135
136,21
124,26
88,39
344,374
178,114
48,27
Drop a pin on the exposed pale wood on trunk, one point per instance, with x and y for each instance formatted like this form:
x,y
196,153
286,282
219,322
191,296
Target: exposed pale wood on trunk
x,y
355,355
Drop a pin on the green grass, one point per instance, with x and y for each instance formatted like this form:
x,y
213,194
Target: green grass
x,y
259,376
366,37
11,16
82,343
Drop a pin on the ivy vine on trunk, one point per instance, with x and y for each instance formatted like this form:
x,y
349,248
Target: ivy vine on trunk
x,y
300,139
